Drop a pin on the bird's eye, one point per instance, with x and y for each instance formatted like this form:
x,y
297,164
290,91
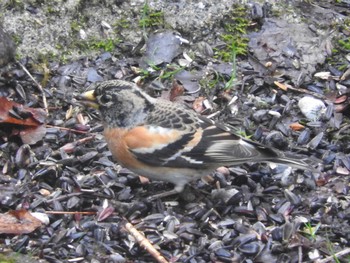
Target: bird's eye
x,y
105,98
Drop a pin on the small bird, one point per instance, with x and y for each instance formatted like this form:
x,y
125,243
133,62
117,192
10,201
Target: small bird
x,y
164,141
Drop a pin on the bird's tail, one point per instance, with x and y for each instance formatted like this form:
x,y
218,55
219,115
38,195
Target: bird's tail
x,y
297,161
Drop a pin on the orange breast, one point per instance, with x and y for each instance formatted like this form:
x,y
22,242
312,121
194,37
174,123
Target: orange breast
x,y
119,149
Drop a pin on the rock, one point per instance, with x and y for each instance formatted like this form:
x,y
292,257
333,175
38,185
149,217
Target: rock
x,y
311,108
7,48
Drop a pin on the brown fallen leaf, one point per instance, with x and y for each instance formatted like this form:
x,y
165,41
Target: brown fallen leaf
x,y
15,113
18,222
32,135
176,90
341,99
16,119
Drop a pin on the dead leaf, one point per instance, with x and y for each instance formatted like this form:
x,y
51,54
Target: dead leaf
x,y
176,91
322,180
18,222
15,113
23,121
32,135
341,99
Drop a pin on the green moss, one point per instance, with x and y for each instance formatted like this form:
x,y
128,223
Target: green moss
x,y
105,44
85,47
7,259
344,43
343,67
347,22
52,10
212,80
151,18
341,45
17,39
75,26
92,44
235,24
14,4
121,24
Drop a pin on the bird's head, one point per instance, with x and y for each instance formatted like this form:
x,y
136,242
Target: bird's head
x,y
121,103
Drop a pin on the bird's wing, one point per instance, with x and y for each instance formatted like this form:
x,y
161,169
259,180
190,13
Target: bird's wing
x,y
186,140
220,145
168,133
161,146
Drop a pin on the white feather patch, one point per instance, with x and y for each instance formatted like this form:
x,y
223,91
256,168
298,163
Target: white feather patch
x,y
155,147
217,147
190,160
159,130
247,148
246,144
149,150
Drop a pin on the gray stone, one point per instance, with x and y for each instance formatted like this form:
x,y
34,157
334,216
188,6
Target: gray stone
x,y
7,48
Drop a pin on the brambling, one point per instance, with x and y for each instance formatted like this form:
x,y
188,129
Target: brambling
x,y
164,141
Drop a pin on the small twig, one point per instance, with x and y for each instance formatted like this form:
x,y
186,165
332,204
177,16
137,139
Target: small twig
x,y
71,212
287,87
38,85
67,129
320,96
336,255
145,243
71,146
300,254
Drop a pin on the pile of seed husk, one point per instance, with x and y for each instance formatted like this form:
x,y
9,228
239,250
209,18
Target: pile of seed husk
x,y
97,211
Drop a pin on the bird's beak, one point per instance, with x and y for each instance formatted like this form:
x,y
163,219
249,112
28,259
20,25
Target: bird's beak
x,y
88,99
